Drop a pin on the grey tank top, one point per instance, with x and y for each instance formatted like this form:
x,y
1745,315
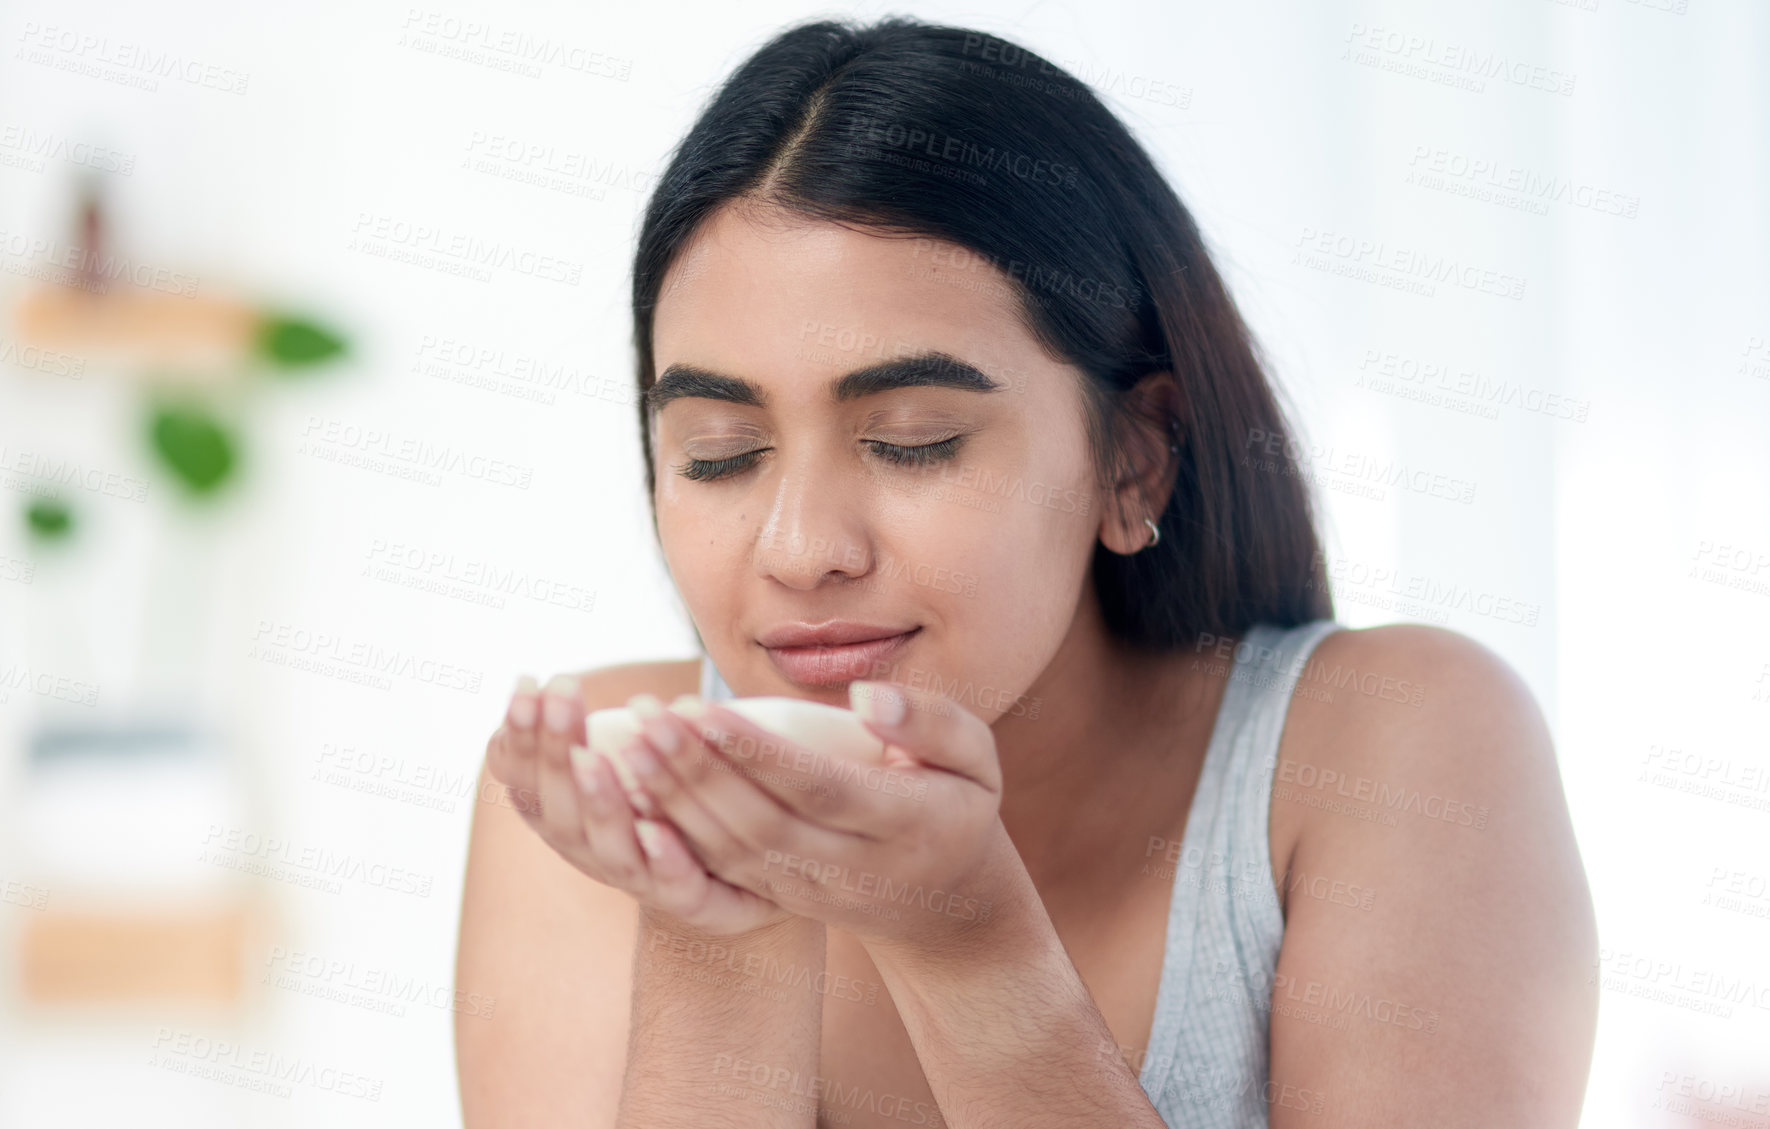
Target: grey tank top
x,y
1206,1063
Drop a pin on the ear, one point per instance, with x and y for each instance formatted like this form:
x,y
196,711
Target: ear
x,y
1154,422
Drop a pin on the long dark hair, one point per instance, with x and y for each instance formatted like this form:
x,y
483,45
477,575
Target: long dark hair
x,y
960,136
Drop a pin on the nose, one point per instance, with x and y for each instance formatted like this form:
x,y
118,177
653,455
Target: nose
x,y
815,529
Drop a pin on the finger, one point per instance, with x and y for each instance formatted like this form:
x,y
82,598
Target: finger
x,y
608,822
831,791
711,833
647,858
930,727
562,723
510,755
707,836
683,888
515,774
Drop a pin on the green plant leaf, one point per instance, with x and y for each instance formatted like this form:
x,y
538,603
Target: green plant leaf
x,y
194,446
293,342
49,519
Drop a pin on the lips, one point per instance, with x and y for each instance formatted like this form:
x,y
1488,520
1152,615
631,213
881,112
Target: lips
x,y
835,652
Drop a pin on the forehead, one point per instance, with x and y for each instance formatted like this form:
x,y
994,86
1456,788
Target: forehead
x,y
771,290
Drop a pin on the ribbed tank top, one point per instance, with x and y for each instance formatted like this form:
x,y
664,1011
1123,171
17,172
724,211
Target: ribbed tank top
x,y
1206,1063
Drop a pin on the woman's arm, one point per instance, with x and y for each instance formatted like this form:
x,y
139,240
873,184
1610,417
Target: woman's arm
x,y
1464,995
715,1042
1006,1031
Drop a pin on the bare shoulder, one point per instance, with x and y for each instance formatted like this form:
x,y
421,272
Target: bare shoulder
x,y
1411,726
1431,885
552,950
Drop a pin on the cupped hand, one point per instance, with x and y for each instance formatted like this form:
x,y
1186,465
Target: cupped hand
x,y
907,852
575,801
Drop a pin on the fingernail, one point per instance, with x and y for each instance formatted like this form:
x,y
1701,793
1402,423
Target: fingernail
x,y
635,796
689,705
645,705
651,840
556,702
584,769
523,706
876,701
640,760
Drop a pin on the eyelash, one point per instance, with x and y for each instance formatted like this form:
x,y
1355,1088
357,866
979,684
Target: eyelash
x,y
707,470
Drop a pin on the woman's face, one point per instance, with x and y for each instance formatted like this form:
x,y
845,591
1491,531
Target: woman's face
x,y
785,496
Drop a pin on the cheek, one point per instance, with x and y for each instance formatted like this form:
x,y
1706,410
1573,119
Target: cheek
x,y
705,548
1011,568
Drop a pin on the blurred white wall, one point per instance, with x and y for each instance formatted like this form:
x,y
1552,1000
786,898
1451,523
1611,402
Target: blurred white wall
x,y
1592,386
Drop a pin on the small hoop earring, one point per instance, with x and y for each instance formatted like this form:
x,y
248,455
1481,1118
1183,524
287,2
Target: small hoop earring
x,y
1155,535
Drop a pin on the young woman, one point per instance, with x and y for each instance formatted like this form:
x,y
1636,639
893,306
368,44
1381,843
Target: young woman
x,y
948,416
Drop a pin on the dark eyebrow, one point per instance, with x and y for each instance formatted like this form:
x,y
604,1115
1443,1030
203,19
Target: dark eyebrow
x,y
932,369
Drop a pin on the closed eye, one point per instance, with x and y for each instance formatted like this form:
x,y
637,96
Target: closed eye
x,y
708,470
